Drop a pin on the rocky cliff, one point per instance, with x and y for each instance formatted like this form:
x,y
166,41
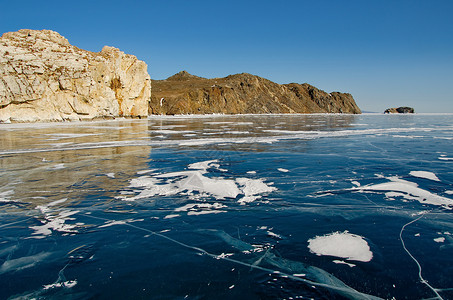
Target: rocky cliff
x,y
241,94
44,78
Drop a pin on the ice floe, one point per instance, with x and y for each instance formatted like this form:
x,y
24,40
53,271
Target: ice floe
x,y
120,222
425,175
341,244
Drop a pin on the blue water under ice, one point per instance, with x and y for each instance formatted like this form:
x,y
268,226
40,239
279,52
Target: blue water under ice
x,y
223,207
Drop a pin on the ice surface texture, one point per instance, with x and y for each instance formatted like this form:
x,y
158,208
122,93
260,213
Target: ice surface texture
x,y
228,207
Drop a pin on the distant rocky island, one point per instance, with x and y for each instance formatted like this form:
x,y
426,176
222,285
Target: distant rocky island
x,y
44,78
244,93
399,110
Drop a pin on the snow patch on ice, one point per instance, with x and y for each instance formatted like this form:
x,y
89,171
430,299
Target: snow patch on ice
x,y
204,212
274,235
171,216
343,263
425,175
66,284
439,240
55,219
341,244
204,165
196,185
120,222
444,157
112,223
145,171
194,209
397,187
252,189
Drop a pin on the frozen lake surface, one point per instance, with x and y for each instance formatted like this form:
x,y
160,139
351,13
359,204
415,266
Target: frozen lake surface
x,y
228,207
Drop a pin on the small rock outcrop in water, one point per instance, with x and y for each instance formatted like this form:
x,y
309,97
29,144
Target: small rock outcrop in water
x,y
243,93
44,78
400,110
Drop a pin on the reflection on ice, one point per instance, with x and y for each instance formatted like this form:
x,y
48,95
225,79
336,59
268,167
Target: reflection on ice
x,y
4,196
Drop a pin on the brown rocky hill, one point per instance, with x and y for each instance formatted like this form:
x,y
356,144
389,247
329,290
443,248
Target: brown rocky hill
x,y
184,93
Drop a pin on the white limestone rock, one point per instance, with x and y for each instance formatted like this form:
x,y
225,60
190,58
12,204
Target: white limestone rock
x,y
44,78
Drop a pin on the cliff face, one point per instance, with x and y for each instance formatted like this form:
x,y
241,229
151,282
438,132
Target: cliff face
x,y
241,94
44,78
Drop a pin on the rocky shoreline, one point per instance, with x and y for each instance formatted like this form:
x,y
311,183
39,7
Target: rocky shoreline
x,y
44,78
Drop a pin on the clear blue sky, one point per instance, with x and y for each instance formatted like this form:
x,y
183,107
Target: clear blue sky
x,y
385,53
